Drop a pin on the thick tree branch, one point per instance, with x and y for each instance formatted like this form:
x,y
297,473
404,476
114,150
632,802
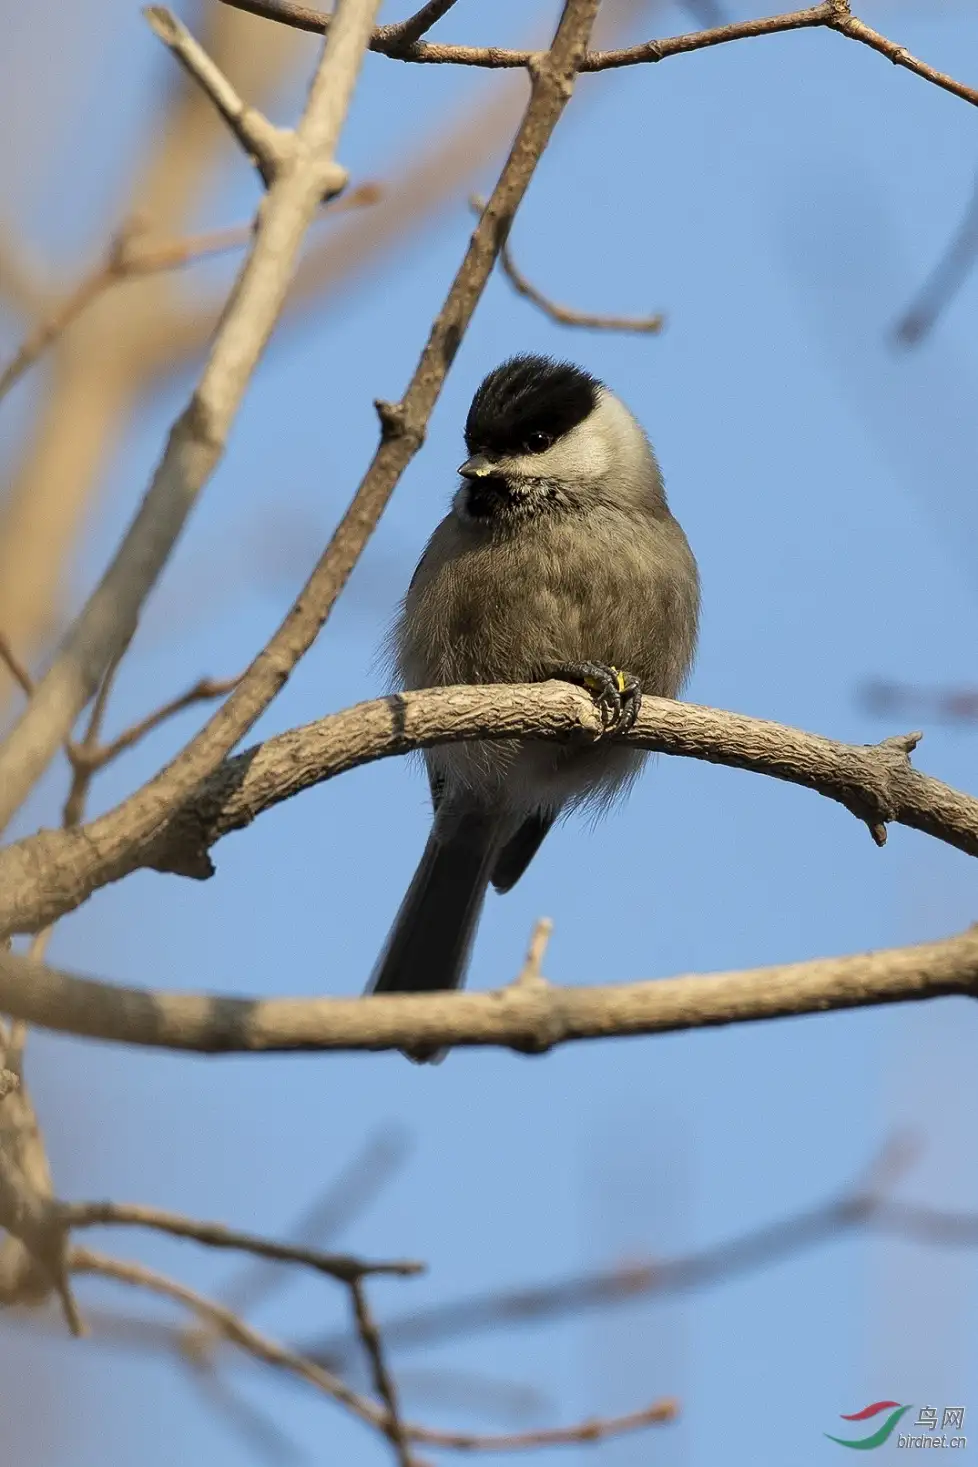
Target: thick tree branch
x,y
835,14
51,873
528,1017
197,439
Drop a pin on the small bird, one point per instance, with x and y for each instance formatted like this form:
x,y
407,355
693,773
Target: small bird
x,y
559,559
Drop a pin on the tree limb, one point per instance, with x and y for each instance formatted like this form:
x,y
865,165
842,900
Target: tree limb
x,y
48,874
528,1017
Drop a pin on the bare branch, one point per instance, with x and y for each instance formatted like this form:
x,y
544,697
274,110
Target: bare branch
x,y
93,755
269,147
197,438
18,671
270,1352
860,1207
382,1377
832,13
29,1213
567,315
341,1266
51,873
417,25
945,281
539,941
230,1326
530,1018
130,255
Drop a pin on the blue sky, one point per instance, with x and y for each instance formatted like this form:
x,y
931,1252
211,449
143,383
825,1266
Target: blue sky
x,y
779,200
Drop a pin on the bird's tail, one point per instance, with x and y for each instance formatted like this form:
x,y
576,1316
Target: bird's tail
x,y
429,944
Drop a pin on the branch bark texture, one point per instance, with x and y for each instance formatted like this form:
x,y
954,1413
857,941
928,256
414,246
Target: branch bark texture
x,y
528,1017
51,873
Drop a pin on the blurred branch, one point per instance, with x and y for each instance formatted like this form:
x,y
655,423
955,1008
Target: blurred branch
x,y
954,706
17,669
862,1206
835,14
33,1258
19,284
944,283
530,1018
104,365
566,315
345,1197
305,170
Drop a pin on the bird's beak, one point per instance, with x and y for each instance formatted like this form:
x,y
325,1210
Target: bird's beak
x,y
477,467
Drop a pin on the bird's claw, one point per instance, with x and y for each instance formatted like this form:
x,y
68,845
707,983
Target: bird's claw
x,y
618,694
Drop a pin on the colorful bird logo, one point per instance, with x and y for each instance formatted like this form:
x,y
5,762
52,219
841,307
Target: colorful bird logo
x,y
880,1435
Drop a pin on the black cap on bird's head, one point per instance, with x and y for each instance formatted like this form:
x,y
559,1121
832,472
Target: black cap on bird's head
x,y
528,403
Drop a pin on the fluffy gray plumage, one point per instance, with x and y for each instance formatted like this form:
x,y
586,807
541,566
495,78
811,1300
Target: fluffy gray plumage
x,y
559,549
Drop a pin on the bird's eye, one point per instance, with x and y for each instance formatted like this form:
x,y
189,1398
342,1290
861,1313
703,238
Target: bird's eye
x,y
538,442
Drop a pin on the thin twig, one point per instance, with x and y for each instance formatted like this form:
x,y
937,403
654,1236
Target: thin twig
x,y
15,667
566,315
85,1260
539,939
268,146
341,1266
95,756
406,31
382,1377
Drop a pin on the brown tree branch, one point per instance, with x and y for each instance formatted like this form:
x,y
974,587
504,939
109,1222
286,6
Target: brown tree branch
x,y
835,14
530,1018
382,1376
197,439
341,1266
17,669
94,755
566,315
48,874
270,1352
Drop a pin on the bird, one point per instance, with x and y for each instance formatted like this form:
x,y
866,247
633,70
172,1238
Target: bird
x,y
559,558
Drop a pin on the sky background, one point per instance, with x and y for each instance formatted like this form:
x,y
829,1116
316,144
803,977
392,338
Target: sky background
x,y
780,200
